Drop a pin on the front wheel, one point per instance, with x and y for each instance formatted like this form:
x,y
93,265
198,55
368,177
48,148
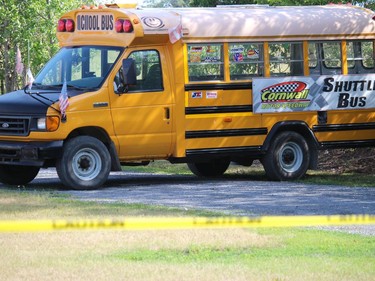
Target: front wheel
x,y
213,168
85,163
17,175
287,158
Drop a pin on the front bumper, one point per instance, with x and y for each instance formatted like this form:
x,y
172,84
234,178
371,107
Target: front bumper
x,y
29,153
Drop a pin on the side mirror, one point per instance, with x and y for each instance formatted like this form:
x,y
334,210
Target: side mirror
x,y
129,72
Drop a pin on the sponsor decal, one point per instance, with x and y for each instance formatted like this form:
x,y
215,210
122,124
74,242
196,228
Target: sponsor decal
x,y
211,55
238,57
333,92
286,94
211,95
196,95
210,49
253,54
196,49
236,50
211,59
95,22
195,53
206,54
195,58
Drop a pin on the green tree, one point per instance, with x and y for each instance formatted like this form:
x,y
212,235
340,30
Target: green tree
x,y
30,23
369,4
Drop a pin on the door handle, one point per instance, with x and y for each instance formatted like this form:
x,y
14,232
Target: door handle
x,y
166,113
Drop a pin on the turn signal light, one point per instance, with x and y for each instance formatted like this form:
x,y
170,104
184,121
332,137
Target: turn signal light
x,y
52,123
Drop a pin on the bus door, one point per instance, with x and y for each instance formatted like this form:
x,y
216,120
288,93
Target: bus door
x,y
142,113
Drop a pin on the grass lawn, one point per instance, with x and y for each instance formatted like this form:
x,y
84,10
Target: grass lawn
x,y
195,254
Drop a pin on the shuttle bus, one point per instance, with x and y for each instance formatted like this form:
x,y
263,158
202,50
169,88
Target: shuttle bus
x,y
202,86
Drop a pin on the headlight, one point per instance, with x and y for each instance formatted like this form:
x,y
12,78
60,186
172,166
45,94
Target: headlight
x,y
49,123
41,124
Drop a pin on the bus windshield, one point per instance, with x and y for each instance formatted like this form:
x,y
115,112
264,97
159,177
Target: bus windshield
x,y
83,67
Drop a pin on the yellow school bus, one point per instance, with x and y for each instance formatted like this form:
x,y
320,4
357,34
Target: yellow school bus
x,y
202,86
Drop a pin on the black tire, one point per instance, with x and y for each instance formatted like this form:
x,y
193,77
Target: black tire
x,y
213,168
18,175
85,163
287,158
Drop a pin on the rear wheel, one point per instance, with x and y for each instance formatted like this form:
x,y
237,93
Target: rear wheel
x,y
287,158
213,168
18,175
85,163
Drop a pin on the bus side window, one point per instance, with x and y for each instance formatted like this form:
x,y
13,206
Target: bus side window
x,y
205,62
286,59
367,51
325,58
246,60
332,57
149,72
360,57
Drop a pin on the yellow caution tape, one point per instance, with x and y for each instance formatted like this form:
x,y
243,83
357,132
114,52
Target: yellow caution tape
x,y
153,223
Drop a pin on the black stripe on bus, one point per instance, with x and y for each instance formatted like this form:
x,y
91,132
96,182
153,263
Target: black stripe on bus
x,y
225,133
218,109
347,144
344,127
219,86
224,151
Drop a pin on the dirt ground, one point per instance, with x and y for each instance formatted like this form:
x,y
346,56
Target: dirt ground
x,y
360,160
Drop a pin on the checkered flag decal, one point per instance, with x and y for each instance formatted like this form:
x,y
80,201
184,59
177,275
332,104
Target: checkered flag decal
x,y
286,87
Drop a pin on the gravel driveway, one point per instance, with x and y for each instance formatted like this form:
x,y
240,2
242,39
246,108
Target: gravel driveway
x,y
234,197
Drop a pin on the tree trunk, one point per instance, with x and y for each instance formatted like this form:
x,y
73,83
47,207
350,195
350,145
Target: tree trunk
x,y
10,73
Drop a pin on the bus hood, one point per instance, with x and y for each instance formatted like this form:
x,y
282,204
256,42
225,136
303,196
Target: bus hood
x,y
21,103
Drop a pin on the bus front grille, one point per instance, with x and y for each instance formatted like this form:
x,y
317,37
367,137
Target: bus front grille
x,y
14,126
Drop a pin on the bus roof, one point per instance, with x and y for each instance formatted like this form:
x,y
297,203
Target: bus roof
x,y
261,23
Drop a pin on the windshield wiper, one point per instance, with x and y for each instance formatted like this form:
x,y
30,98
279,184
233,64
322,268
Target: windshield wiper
x,y
70,86
31,90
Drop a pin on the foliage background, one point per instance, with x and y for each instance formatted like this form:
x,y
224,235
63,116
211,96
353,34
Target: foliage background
x,y
30,23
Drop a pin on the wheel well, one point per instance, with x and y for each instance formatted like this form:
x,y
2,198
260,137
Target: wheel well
x,y
95,132
299,127
101,135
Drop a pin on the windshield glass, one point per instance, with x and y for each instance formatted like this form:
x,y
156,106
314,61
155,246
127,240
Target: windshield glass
x,y
84,67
